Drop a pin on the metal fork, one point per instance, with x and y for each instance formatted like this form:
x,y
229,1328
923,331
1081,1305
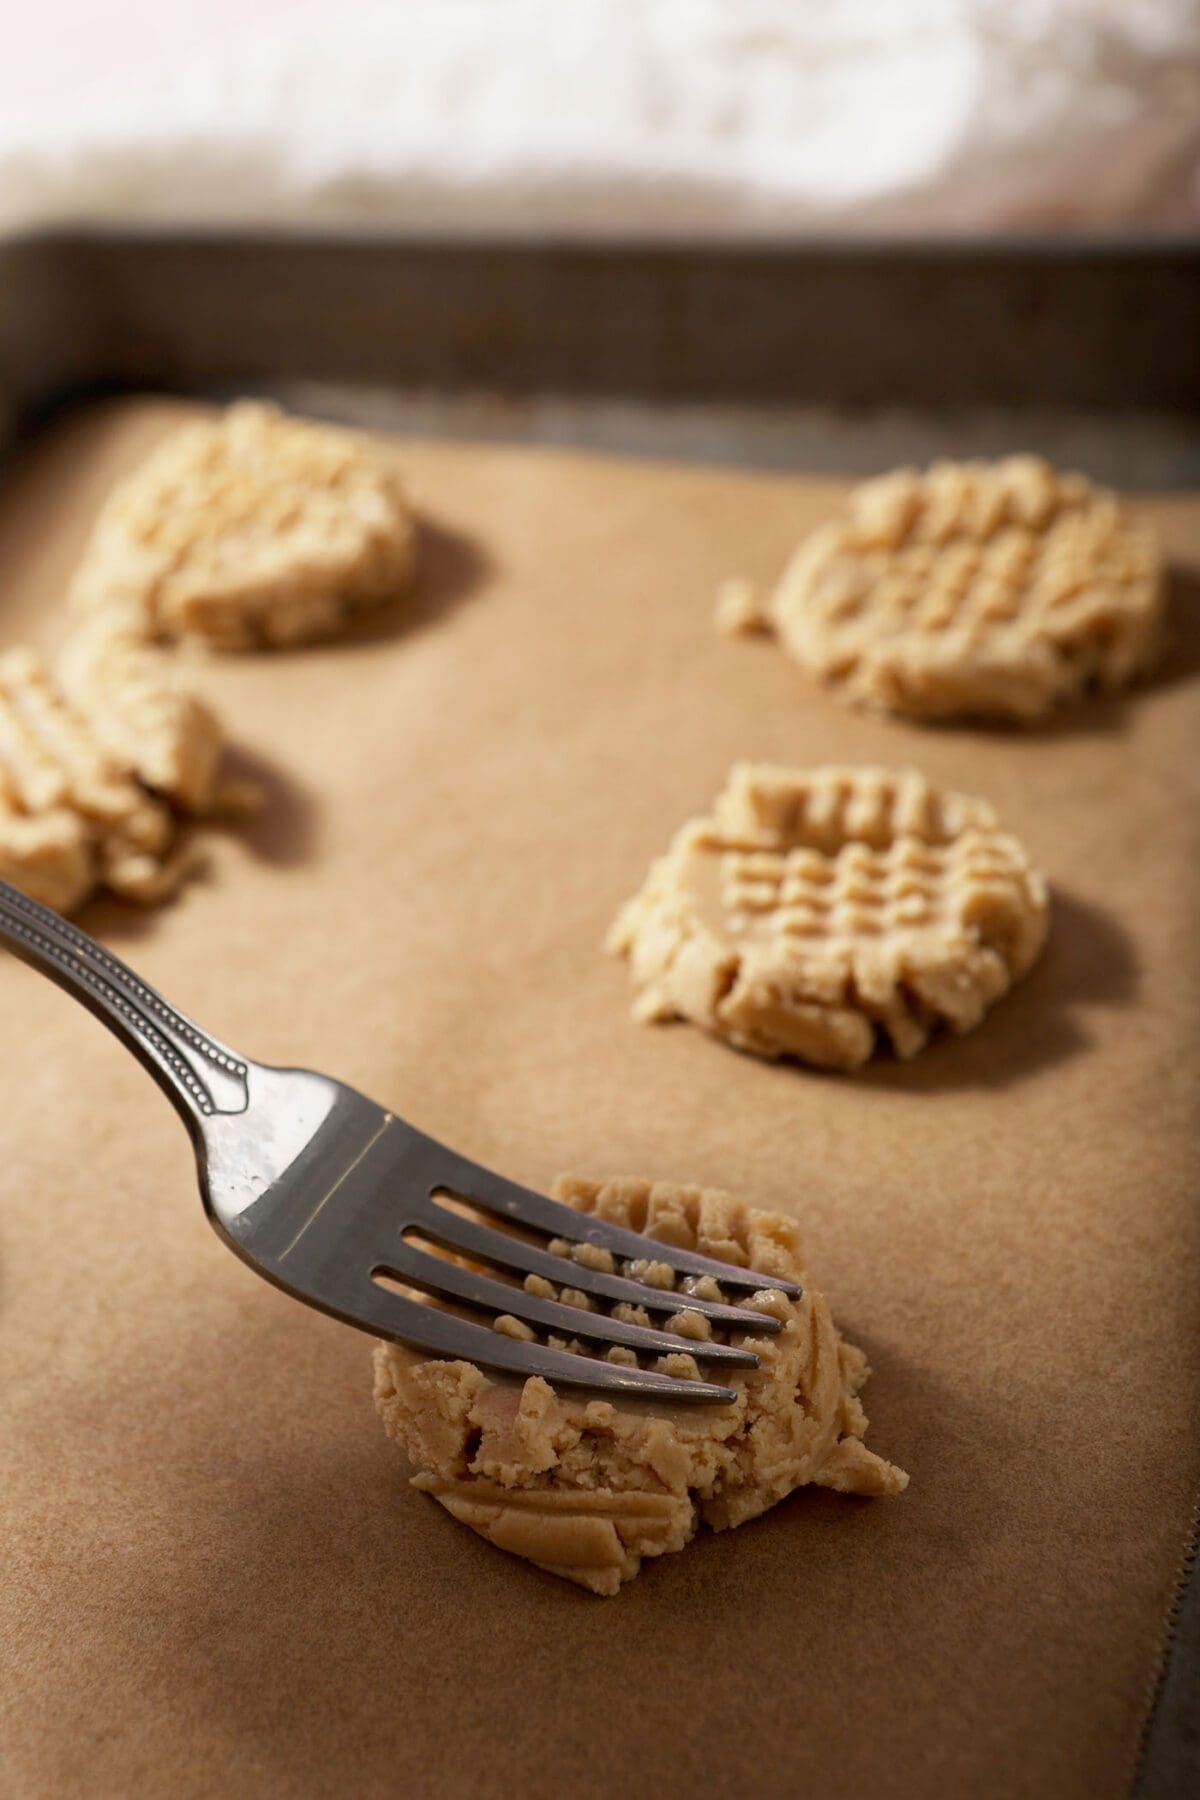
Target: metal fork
x,y
321,1191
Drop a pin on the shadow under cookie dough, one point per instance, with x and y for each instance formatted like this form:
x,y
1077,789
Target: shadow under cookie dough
x,y
1089,960
283,829
1181,636
450,568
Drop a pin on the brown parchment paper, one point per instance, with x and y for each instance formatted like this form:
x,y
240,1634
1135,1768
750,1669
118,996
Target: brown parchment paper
x,y
216,1580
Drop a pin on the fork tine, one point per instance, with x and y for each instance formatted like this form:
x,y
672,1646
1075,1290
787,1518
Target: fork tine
x,y
407,1321
450,1279
494,1194
481,1242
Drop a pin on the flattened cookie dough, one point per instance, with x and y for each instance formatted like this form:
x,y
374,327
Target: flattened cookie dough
x,y
991,590
143,715
249,529
588,1488
825,913
48,855
88,764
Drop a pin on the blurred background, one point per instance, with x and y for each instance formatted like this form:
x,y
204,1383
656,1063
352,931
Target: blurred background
x,y
731,119
777,232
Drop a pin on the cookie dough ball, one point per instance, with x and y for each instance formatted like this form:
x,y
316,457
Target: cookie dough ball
x,y
588,1488
826,913
990,590
249,529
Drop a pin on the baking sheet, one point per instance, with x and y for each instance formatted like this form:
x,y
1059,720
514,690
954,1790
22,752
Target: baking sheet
x,y
1039,329
217,1578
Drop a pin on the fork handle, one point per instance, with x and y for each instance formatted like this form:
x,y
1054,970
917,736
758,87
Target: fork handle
x,y
201,1077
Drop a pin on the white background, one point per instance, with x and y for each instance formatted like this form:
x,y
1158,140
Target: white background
x,y
666,117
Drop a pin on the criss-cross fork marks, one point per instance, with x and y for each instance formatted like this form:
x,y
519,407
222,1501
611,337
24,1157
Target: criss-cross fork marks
x,y
817,910
49,754
74,811
831,809
993,588
860,892
249,528
971,588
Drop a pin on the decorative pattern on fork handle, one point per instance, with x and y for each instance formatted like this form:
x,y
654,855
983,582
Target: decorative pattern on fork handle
x,y
196,1073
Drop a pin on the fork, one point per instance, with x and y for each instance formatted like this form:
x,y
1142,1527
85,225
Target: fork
x,y
323,1192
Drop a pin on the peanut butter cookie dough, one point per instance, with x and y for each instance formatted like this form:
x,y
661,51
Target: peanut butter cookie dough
x,y
91,767
143,714
252,528
823,913
587,1488
992,590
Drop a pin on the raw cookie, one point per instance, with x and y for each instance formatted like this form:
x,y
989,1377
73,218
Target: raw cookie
x,y
587,1488
74,814
250,528
142,713
821,913
48,855
995,590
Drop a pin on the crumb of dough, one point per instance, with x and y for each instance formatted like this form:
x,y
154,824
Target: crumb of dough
x,y
593,1256
514,1328
739,609
587,1488
587,1256
826,913
650,1272
700,1287
689,1323
249,529
92,762
991,590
